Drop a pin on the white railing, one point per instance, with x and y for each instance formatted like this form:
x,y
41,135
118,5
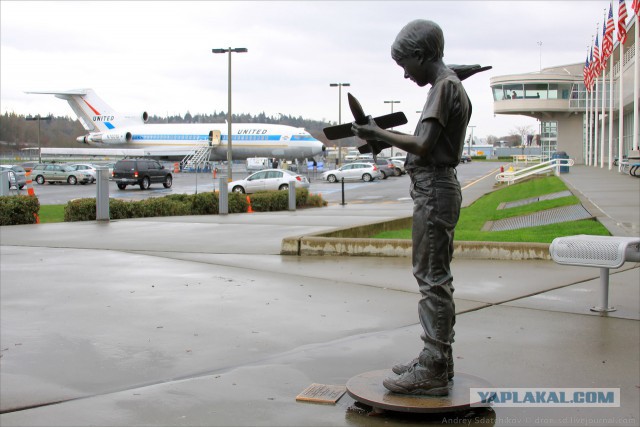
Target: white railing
x,y
198,156
511,176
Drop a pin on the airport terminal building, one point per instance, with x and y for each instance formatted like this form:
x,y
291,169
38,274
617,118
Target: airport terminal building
x,y
558,98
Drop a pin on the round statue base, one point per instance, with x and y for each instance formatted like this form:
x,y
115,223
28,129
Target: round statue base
x,y
367,388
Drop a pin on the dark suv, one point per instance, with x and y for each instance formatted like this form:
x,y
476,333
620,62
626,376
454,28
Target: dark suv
x,y
142,172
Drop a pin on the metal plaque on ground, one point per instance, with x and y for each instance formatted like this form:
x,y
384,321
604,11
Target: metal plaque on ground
x,y
321,393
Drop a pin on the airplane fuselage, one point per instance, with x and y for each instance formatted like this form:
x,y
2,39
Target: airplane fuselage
x,y
110,129
178,140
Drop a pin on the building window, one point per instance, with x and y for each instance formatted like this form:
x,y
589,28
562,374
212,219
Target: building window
x,y
514,91
535,90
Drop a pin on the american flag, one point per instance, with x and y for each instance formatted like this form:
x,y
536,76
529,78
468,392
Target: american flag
x,y
585,74
595,62
636,7
592,66
622,21
607,37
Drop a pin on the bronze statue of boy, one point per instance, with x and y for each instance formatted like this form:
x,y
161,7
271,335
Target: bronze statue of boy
x,y
434,151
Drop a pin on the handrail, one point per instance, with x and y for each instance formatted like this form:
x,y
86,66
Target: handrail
x,y
512,176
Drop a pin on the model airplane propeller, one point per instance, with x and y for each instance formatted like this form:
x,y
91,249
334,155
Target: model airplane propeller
x,y
388,120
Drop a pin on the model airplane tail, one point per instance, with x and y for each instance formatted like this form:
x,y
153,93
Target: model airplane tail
x,y
94,114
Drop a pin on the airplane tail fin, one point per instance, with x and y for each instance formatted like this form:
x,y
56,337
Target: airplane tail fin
x,y
94,114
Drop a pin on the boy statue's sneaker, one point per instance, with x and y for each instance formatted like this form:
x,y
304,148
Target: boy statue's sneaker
x,y
401,368
419,380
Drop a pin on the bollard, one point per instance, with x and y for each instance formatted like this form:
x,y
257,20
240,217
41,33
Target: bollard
x,y
292,195
342,183
4,183
223,196
102,194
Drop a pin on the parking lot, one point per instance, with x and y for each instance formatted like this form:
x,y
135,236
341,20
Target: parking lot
x,y
389,190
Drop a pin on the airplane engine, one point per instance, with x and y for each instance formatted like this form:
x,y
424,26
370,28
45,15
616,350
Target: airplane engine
x,y
105,138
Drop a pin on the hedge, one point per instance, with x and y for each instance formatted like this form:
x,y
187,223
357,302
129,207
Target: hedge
x,y
16,210
190,204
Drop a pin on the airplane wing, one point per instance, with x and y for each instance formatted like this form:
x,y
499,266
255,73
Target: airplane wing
x,y
465,71
385,122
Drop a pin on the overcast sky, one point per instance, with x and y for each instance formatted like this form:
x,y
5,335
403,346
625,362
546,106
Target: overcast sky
x,y
156,56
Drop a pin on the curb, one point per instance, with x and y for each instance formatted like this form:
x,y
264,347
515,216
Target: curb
x,y
347,242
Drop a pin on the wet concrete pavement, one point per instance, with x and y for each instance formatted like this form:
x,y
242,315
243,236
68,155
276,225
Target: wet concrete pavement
x,y
199,321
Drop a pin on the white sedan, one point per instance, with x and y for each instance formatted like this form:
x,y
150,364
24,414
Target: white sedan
x,y
268,179
85,167
357,170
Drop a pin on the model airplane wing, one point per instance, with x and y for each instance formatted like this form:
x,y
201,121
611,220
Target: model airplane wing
x,y
465,71
385,122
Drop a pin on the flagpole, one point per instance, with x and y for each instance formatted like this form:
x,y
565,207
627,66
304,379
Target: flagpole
x,y
595,133
587,147
636,91
621,108
622,38
610,112
590,123
603,103
587,127
603,63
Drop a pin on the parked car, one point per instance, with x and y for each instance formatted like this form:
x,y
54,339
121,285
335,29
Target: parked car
x,y
465,159
17,174
268,179
53,172
142,172
28,165
356,170
386,167
399,165
90,169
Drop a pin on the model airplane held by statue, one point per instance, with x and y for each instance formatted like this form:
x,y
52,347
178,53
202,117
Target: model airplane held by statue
x,y
389,120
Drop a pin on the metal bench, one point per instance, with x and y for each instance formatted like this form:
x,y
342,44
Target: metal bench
x,y
604,252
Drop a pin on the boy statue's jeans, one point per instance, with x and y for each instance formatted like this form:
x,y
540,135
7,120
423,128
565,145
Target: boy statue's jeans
x,y
437,198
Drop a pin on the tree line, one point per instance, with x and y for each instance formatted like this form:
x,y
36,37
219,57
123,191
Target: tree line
x,y
17,133
61,132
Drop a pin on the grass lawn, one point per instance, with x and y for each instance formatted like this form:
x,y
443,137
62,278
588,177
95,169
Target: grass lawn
x,y
51,213
472,218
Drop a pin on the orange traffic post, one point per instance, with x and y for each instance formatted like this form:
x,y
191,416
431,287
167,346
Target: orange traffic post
x,y
30,191
249,210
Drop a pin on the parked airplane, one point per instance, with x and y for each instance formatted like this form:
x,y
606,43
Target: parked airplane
x,y
108,128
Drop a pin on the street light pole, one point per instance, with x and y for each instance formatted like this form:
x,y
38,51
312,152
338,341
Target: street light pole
x,y
470,140
229,137
38,118
391,102
540,46
339,85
